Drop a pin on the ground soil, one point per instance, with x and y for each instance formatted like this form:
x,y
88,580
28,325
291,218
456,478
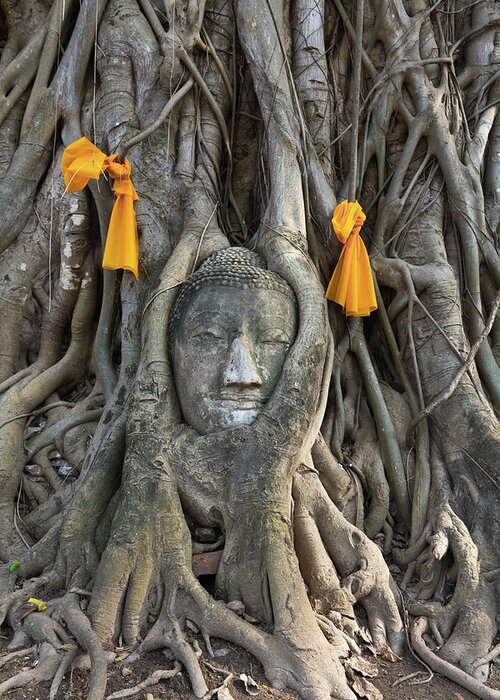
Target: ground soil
x,y
237,661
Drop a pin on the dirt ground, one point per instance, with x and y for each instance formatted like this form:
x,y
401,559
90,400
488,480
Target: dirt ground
x,y
393,679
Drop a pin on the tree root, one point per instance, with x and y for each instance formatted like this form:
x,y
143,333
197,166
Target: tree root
x,y
66,663
153,679
15,654
467,622
79,624
167,633
49,660
417,630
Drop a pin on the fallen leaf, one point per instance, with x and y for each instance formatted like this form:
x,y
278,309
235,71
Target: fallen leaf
x,y
365,689
335,617
224,694
221,652
250,685
386,653
237,606
126,671
364,634
191,626
23,610
33,470
363,666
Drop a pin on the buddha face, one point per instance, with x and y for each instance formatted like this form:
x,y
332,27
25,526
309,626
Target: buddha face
x,y
228,352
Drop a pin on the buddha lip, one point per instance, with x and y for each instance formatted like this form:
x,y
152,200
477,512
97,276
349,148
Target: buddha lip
x,y
243,400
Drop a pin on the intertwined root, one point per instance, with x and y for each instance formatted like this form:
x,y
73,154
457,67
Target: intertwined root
x,y
419,627
461,629
356,570
293,648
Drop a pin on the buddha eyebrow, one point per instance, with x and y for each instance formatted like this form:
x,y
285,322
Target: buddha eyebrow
x,y
209,317
278,321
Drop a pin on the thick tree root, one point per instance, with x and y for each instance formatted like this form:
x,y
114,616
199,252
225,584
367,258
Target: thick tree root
x,y
166,633
49,660
64,666
79,624
465,626
15,654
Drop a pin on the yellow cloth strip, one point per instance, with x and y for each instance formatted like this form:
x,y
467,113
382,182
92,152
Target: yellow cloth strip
x,y
83,161
351,285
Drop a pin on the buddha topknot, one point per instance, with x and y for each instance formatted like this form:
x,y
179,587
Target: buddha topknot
x,y
231,267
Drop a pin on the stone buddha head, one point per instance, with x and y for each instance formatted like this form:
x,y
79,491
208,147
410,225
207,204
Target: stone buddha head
x,y
230,331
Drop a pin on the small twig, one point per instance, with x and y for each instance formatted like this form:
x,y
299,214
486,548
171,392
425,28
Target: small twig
x,y
358,47
178,284
406,623
193,69
173,101
408,677
153,679
228,677
490,656
218,63
18,515
470,35
446,393
150,14
37,412
14,655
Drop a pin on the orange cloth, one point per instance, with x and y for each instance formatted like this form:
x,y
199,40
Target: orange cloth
x,y
351,285
82,161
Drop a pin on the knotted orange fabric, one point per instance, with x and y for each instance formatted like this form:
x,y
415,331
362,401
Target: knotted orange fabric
x,y
82,161
351,285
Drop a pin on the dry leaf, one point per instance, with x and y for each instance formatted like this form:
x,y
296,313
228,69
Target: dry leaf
x,y
386,653
364,634
223,651
224,694
126,672
363,666
250,685
236,606
335,617
365,689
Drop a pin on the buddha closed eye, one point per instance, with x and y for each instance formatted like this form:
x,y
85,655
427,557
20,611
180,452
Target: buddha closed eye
x,y
230,337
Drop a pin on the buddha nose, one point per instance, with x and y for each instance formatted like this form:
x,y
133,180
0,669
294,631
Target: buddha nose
x,y
241,368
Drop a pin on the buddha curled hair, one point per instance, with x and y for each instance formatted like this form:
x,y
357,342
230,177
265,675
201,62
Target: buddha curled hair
x,y
231,267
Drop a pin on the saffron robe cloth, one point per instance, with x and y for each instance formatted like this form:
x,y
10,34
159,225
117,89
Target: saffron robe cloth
x,y
351,285
83,161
